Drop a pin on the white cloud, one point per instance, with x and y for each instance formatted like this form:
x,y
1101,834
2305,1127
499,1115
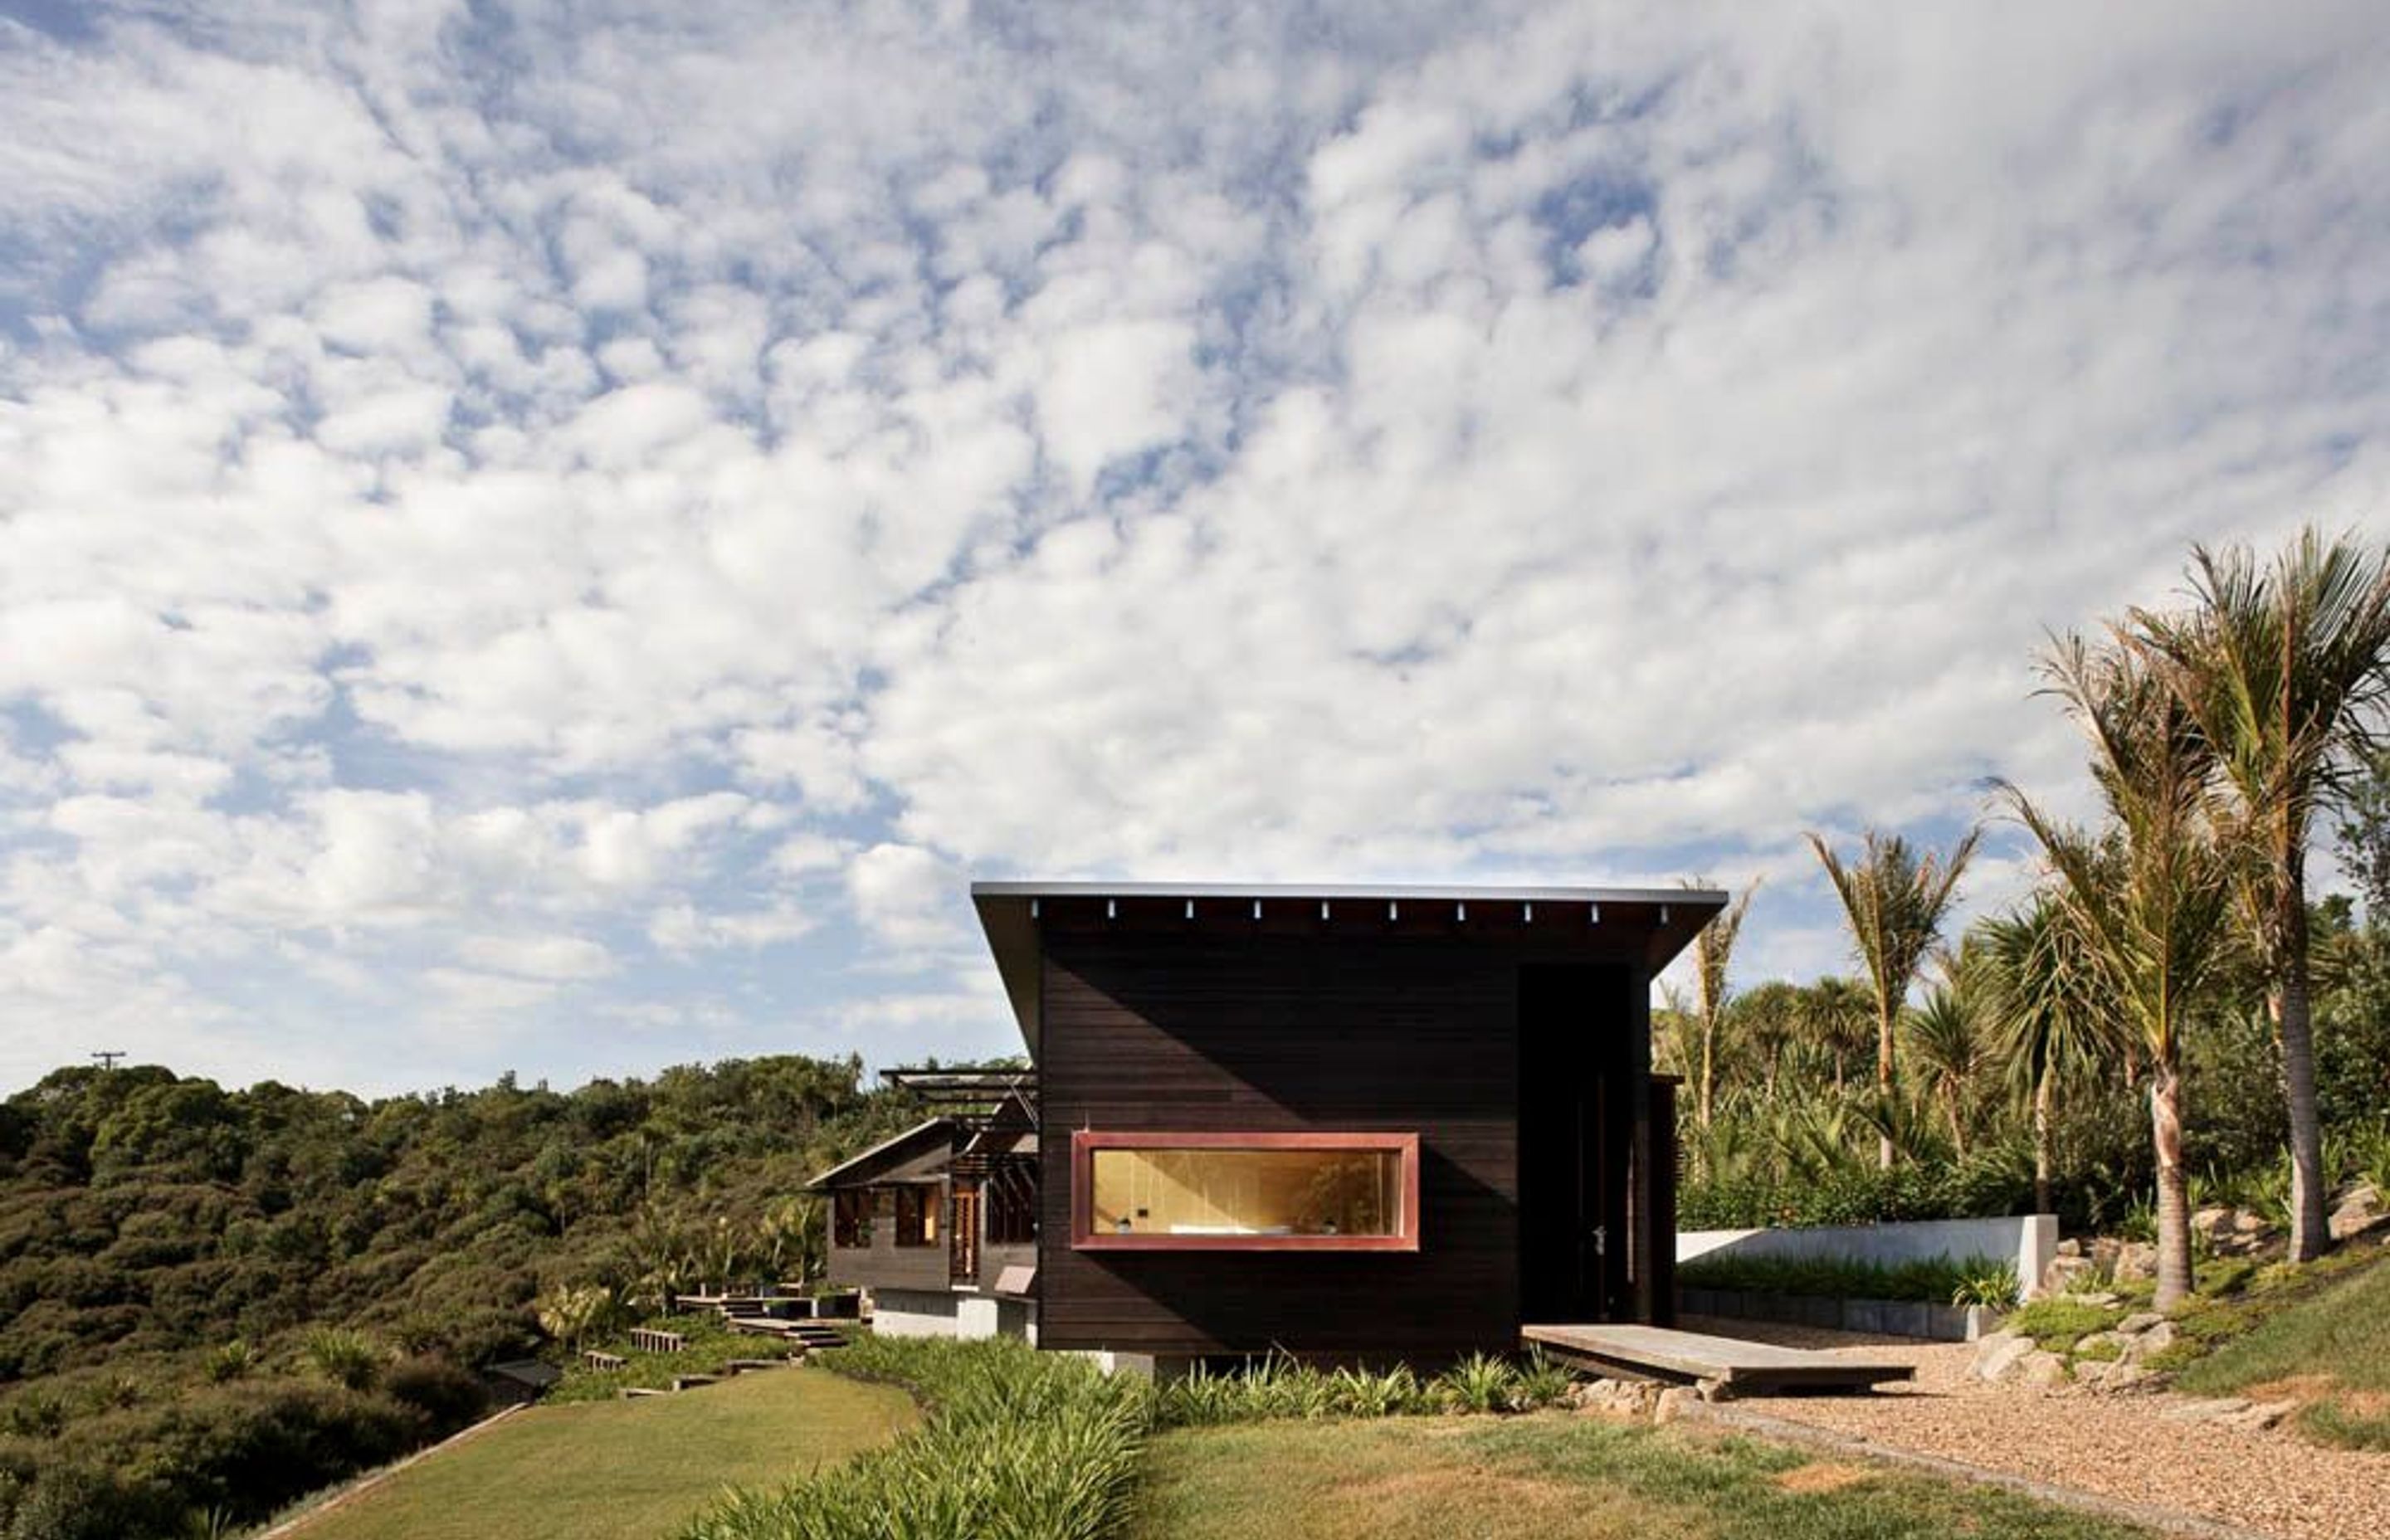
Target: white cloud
x,y
552,957
488,524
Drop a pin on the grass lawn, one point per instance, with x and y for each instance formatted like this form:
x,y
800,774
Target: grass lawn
x,y
622,1469
1550,1477
2330,1351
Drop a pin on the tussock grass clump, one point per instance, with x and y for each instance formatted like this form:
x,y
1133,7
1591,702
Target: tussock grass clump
x,y
1282,1387
1018,1445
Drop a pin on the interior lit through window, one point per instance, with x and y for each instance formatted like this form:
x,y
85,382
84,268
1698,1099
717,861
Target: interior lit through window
x,y
1247,1192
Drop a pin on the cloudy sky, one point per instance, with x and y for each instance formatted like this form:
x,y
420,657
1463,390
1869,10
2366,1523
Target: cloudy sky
x,y
560,536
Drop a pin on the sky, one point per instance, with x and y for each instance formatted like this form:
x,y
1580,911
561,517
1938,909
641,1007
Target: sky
x,y
561,536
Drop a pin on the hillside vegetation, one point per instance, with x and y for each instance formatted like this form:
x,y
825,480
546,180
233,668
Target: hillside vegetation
x,y
212,1301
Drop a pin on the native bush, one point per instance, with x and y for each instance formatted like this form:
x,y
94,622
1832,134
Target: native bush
x,y
344,1357
1018,1445
448,1396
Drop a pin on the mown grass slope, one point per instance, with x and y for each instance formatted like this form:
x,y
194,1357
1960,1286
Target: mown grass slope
x,y
1549,1477
622,1469
2330,1351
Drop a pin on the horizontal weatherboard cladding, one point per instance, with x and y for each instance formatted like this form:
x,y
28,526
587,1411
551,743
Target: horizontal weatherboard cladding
x,y
1150,1027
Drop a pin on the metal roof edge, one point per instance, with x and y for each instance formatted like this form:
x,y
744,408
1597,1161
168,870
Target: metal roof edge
x,y
882,1148
1463,891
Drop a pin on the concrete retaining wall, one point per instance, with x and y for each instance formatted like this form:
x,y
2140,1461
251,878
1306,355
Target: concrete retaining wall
x,y
1935,1323
2028,1242
926,1313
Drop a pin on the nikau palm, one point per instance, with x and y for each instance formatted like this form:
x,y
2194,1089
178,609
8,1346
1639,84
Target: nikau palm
x,y
2151,895
1895,898
2048,1024
1948,1049
1836,1018
2281,668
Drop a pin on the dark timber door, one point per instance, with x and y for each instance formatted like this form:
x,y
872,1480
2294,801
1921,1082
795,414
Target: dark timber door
x,y
1572,1146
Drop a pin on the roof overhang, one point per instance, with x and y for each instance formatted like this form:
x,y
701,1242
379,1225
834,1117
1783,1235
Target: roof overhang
x,y
1652,925
879,1156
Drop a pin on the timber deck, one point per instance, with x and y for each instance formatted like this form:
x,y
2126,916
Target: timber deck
x,y
1749,1369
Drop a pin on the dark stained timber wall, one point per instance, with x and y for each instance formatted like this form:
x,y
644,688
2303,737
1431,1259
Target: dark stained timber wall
x,y
1203,1027
885,1265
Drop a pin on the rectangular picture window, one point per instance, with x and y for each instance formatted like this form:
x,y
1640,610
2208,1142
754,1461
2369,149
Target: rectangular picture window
x,y
1246,1191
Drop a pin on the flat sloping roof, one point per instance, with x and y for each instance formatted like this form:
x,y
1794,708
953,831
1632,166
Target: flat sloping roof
x,y
879,1155
1669,918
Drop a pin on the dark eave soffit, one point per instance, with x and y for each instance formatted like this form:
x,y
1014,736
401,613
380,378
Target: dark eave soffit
x,y
1671,917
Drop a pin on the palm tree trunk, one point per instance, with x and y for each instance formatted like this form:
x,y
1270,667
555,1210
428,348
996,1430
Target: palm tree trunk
x,y
1885,1012
2041,1184
1709,1063
2174,1197
2310,1230
1957,1129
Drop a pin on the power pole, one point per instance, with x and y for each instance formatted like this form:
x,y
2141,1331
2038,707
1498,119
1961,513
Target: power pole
x,y
107,1057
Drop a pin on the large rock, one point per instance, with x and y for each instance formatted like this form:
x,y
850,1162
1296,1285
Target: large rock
x,y
2107,1346
2359,1211
1617,1397
2138,1322
2232,1412
2260,1416
2065,1273
1673,1402
2000,1353
2135,1259
2043,1370
2157,1339
2111,1378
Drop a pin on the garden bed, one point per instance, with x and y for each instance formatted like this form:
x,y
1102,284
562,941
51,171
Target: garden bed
x,y
1920,1318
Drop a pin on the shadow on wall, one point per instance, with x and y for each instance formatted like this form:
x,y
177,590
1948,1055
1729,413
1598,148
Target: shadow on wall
x,y
2027,1242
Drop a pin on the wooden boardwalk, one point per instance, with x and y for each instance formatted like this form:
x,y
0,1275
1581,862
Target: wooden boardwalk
x,y
1657,1353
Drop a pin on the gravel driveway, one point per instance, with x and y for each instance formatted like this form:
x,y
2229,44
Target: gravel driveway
x,y
2120,1446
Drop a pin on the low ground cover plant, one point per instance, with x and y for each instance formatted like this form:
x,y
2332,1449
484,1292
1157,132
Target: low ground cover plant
x,y
1018,1445
1024,1445
1935,1281
2312,1334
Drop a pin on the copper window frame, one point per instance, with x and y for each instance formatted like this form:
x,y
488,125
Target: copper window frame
x,y
1085,1142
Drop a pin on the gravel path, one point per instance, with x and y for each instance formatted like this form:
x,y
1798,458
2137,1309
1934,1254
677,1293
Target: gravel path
x,y
2121,1446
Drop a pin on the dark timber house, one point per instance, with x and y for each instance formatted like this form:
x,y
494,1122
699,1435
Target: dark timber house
x,y
940,1223
1350,1122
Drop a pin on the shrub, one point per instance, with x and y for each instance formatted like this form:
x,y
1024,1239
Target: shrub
x,y
1991,1284
73,1501
1986,1185
233,1360
1361,1394
250,1448
449,1397
2057,1324
344,1357
1542,1383
1935,1279
34,1412
1480,1382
